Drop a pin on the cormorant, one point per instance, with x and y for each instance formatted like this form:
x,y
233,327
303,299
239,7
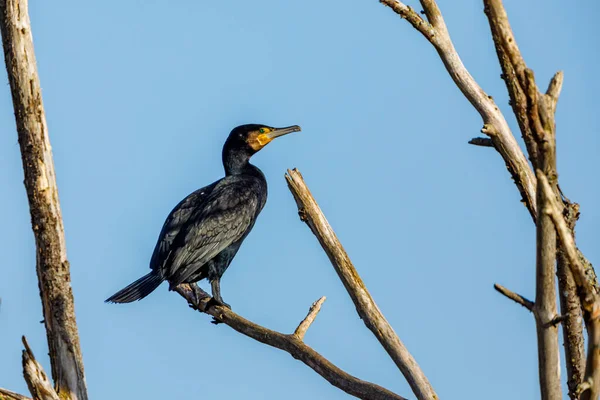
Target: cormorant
x,y
204,231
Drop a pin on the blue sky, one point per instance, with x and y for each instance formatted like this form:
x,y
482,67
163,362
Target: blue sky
x,y
140,96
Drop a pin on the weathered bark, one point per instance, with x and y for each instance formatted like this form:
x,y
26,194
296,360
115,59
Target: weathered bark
x,y
545,301
521,93
570,306
40,182
290,343
8,395
39,385
365,305
517,298
589,389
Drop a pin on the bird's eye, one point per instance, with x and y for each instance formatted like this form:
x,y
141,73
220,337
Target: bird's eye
x,y
262,130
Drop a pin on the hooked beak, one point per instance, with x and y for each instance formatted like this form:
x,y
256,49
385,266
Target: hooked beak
x,y
282,131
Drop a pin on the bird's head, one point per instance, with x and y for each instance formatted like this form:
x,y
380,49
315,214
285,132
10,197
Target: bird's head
x,y
253,137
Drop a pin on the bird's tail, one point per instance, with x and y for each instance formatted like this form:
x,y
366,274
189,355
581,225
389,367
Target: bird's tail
x,y
137,290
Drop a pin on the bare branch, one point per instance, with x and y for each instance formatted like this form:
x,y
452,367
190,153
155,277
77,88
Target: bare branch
x,y
434,15
545,309
483,142
309,319
364,303
37,381
559,319
40,182
411,16
535,114
513,71
554,88
570,305
8,395
590,299
495,124
517,298
292,344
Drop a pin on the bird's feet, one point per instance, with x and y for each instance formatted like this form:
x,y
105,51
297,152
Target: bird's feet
x,y
217,302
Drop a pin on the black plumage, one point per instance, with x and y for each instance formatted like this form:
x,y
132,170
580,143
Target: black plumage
x,y
204,231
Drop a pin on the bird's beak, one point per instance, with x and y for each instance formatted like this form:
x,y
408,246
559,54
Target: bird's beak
x,y
275,133
261,140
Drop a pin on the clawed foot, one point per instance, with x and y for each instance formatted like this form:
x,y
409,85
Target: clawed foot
x,y
214,302
217,302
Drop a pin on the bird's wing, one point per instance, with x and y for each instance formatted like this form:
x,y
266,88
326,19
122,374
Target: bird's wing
x,y
177,218
227,215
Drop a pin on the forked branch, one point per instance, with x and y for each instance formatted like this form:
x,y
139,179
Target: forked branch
x,y
37,380
365,305
290,343
495,125
590,387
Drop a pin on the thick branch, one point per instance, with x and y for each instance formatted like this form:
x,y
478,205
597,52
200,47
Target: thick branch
x,y
517,298
513,71
365,305
292,344
8,395
535,115
590,299
494,123
570,305
37,381
40,182
545,304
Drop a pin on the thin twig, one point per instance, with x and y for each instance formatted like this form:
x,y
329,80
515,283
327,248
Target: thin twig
x,y
365,305
411,16
517,298
198,299
483,142
40,182
559,319
309,319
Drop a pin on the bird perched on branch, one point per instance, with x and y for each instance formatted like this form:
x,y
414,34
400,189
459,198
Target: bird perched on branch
x,y
204,231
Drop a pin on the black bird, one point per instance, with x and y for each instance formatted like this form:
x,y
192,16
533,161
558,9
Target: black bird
x,y
204,231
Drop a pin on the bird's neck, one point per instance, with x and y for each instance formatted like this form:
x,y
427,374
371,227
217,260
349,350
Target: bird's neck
x,y
236,163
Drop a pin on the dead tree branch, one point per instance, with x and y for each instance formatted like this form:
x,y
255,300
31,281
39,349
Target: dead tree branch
x,y
589,389
521,88
40,182
293,344
309,319
495,125
8,395
37,381
545,299
517,298
535,115
365,305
